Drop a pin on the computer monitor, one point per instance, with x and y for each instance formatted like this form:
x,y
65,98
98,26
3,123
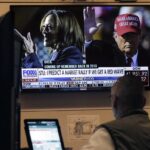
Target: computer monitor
x,y
43,134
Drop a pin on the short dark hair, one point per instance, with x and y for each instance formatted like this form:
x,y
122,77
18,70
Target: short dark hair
x,y
69,30
130,92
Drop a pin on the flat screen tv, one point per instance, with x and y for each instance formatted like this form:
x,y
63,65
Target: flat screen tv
x,y
81,47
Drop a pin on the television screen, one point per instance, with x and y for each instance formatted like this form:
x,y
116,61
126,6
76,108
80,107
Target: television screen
x,y
82,47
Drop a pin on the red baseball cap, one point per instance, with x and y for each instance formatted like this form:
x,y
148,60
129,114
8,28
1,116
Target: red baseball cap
x,y
127,23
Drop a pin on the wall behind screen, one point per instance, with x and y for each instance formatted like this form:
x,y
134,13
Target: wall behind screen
x,y
104,114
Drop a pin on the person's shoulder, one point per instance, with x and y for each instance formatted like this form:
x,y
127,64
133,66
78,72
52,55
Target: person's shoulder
x,y
71,50
142,51
101,139
73,47
70,55
100,43
104,125
117,123
144,57
100,46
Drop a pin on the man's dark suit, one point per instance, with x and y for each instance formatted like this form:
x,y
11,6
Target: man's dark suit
x,y
107,55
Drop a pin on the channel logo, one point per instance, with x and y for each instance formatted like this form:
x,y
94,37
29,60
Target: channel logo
x,y
29,73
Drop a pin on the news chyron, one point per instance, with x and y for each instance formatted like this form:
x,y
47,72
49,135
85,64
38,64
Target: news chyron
x,y
81,77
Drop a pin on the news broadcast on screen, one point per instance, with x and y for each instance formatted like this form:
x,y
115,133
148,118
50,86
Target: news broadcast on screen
x,y
81,47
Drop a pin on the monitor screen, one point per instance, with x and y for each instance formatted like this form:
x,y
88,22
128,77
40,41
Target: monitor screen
x,y
43,134
82,47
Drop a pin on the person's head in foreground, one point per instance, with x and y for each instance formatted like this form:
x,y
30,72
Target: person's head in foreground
x,y
131,128
127,95
127,30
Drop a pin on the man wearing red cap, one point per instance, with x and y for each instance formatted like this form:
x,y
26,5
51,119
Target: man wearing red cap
x,y
127,36
126,52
